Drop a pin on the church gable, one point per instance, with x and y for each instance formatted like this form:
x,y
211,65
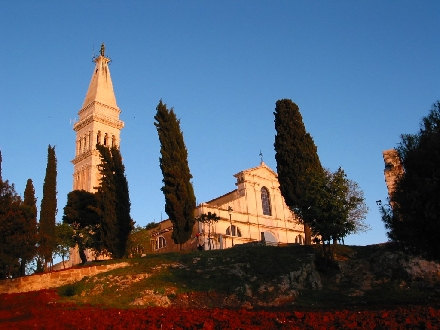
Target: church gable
x,y
261,176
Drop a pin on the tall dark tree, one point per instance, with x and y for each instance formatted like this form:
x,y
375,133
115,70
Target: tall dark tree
x,y
297,161
48,208
11,227
31,229
180,200
413,220
80,213
113,202
17,240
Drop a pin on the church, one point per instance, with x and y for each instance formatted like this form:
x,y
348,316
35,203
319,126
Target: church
x,y
255,211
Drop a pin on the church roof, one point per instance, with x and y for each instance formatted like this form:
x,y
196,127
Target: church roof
x,y
257,168
101,87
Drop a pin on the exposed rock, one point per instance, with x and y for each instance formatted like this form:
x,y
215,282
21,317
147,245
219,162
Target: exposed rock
x,y
151,298
383,266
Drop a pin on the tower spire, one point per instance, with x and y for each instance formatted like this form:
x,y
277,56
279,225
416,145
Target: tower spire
x,y
101,86
98,124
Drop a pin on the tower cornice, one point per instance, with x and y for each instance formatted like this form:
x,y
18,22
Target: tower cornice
x,y
84,155
118,124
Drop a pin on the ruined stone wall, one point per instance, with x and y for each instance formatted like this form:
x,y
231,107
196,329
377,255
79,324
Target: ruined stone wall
x,y
54,279
393,169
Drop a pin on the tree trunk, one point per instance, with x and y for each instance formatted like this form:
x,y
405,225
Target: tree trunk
x,y
82,255
308,235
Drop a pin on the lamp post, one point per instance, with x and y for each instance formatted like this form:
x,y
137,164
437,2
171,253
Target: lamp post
x,y
230,221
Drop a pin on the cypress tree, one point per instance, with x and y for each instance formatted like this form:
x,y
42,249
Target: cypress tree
x,y
113,202
297,161
30,229
180,201
48,208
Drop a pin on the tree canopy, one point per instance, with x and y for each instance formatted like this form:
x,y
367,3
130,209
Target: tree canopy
x,y
17,237
48,208
330,204
180,200
80,213
297,159
113,204
338,207
413,220
31,228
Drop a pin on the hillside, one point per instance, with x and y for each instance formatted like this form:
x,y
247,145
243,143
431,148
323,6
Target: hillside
x,y
264,277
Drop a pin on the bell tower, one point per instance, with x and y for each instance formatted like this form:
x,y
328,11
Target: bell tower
x,y
98,123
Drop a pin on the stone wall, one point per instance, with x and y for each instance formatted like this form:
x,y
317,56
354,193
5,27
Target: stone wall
x,y
54,279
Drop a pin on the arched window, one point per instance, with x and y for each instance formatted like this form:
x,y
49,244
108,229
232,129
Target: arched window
x,y
160,243
265,201
98,138
235,231
105,139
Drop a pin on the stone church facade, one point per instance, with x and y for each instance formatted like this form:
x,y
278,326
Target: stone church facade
x,y
253,212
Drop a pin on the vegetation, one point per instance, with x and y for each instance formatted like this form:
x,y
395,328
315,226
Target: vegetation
x,y
253,274
297,160
13,220
48,209
208,219
139,241
30,227
151,225
64,240
113,204
413,215
329,204
180,200
80,213
338,209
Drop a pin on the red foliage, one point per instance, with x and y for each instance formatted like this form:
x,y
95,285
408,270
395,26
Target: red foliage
x,y
41,310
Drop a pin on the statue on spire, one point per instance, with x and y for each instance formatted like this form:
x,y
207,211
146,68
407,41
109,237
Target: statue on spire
x,y
102,51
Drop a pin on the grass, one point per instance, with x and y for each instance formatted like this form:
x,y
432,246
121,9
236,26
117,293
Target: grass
x,y
233,272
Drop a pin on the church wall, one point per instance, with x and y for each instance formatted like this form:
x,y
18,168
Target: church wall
x,y
247,213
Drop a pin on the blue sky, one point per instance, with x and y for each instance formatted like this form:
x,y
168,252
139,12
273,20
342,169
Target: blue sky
x,y
362,73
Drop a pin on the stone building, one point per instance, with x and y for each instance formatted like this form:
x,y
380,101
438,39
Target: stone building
x,y
98,123
393,169
253,212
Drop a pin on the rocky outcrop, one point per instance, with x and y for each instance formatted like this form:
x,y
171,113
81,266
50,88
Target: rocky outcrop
x,y
383,266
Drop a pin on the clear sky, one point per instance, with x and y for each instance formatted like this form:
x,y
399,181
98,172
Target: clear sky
x,y
362,73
